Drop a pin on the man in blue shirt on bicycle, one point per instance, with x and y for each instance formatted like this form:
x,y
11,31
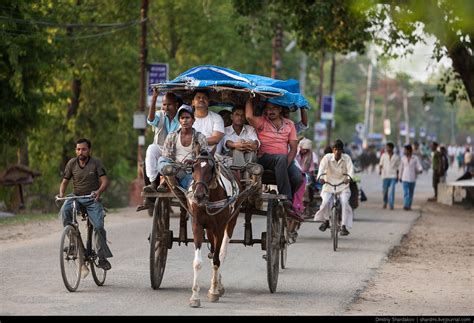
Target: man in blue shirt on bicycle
x,y
334,168
88,175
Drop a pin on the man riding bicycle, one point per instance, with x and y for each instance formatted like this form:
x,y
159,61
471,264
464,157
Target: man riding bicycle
x,y
332,169
88,176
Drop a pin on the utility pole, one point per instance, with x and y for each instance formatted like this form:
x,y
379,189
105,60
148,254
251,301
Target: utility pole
x,y
276,50
142,90
321,83
135,192
384,110
331,91
303,67
405,113
367,107
372,116
453,136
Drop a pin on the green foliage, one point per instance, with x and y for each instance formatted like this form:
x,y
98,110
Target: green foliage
x,y
26,60
318,25
348,112
400,24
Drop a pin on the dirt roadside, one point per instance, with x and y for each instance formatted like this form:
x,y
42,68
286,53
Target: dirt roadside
x,y
430,273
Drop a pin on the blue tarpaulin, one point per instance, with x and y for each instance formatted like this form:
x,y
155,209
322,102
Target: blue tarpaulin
x,y
226,84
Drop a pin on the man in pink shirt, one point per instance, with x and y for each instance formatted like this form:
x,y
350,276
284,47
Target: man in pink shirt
x,y
276,134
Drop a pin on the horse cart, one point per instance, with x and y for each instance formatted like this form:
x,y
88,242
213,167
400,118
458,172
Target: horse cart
x,y
220,192
273,241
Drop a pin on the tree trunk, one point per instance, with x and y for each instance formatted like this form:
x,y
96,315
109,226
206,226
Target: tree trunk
x,y
276,48
174,39
22,152
463,63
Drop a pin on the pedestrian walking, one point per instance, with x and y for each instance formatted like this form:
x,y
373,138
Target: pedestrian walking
x,y
410,168
389,166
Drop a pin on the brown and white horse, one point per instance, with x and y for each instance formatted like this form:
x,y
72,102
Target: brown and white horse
x,y
209,207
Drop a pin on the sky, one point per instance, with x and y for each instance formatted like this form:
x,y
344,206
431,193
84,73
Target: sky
x,y
419,65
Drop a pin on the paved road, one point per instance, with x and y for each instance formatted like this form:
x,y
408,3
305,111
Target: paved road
x,y
318,281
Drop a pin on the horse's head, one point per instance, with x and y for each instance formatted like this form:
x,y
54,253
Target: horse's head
x,y
203,176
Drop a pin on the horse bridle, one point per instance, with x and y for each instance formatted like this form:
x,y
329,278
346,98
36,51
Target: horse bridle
x,y
206,186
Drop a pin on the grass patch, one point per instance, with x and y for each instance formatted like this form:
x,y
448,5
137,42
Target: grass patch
x,y
28,217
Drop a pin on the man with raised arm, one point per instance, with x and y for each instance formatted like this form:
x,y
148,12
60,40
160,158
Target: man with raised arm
x,y
333,169
163,122
276,135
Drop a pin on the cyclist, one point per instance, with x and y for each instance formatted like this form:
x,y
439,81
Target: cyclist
x,y
332,168
88,175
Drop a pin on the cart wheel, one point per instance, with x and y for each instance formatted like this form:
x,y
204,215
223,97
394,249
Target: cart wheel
x,y
273,245
159,241
284,238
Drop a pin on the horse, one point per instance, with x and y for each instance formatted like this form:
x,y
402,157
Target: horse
x,y
207,194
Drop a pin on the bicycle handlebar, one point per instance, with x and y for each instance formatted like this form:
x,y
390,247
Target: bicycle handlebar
x,y
335,185
74,197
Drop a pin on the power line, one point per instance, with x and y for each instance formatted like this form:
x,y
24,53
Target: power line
x,y
69,25
87,36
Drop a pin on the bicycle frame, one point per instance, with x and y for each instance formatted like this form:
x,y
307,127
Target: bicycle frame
x,y
336,212
87,254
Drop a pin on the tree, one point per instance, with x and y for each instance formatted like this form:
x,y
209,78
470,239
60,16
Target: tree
x,y
403,22
27,62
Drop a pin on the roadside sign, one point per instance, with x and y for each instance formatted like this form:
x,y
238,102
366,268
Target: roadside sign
x,y
359,127
157,72
327,110
387,130
422,132
403,128
320,131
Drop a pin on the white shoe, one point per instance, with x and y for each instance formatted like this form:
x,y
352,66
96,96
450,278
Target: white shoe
x,y
84,271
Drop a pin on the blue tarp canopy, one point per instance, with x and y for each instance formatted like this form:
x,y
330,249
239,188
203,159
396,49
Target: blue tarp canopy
x,y
229,86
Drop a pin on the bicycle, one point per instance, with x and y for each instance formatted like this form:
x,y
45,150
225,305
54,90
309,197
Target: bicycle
x,y
336,213
72,253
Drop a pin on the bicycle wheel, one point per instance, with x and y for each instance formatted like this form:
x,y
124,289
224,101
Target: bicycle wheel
x,y
98,274
159,241
334,227
70,258
272,245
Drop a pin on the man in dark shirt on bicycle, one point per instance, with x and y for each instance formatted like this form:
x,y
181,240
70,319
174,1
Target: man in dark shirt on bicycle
x,y
88,176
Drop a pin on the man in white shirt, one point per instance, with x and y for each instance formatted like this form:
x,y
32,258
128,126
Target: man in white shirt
x,y
389,164
334,168
240,139
209,123
410,167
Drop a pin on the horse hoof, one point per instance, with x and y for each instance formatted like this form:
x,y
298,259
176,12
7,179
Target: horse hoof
x,y
210,255
213,297
195,303
221,291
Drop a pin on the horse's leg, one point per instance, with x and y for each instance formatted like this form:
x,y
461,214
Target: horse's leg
x,y
229,230
215,238
198,233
